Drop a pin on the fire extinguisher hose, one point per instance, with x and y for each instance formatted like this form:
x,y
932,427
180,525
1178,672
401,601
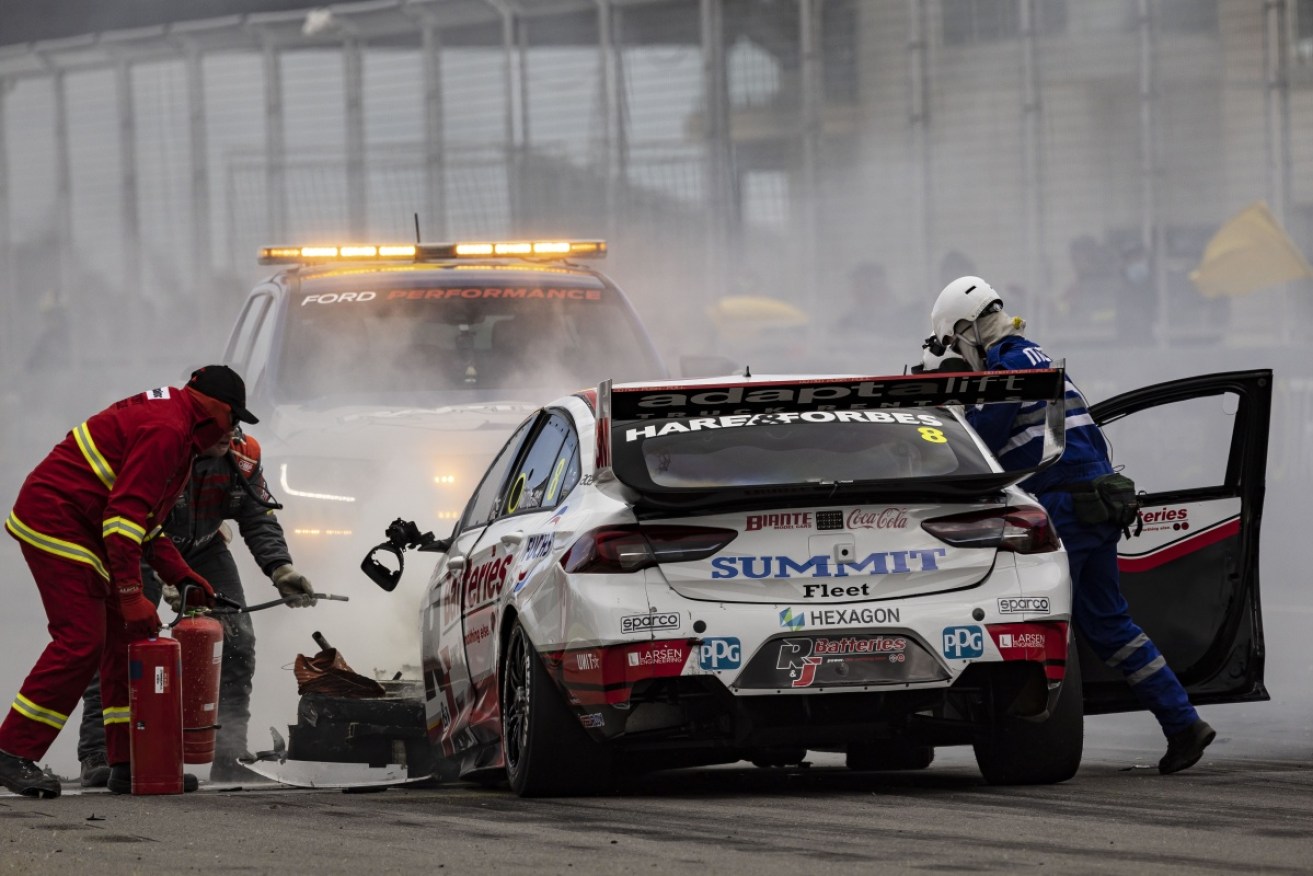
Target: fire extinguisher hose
x,y
235,607
232,606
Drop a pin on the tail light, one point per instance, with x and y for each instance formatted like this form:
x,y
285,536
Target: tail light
x,y
1021,530
630,548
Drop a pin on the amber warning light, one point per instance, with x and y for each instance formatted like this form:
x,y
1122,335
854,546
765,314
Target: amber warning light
x,y
427,252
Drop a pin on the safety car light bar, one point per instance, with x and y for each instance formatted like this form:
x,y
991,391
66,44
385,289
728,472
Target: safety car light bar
x,y
426,252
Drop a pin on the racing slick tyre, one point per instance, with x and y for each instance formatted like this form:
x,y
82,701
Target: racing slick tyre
x,y
889,754
1014,751
547,751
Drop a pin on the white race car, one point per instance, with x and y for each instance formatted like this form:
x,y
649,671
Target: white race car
x,y
656,575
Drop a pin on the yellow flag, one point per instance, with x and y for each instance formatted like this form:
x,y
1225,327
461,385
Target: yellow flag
x,y
1248,253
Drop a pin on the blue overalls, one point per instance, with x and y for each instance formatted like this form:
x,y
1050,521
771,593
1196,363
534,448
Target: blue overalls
x,y
1015,433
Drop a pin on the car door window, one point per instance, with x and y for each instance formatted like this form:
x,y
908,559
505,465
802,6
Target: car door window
x,y
1185,445
571,476
541,478
483,503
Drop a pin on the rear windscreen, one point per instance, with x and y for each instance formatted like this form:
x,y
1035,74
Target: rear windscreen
x,y
370,333
812,447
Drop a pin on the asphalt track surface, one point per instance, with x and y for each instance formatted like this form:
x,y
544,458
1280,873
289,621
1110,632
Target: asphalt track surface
x,y
1247,807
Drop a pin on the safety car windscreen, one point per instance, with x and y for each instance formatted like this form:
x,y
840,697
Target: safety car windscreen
x,y
370,334
811,447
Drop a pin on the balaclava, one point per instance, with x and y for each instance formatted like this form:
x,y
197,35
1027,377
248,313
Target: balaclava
x,y
985,332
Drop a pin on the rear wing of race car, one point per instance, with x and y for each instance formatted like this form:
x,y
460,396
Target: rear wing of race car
x,y
623,407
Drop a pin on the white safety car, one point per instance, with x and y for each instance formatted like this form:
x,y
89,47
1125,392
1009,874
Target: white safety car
x,y
387,375
657,575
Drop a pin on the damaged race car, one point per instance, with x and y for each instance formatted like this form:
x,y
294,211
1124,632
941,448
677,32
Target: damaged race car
x,y
653,576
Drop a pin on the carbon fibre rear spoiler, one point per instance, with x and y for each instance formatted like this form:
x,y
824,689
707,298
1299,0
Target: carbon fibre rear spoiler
x,y
617,407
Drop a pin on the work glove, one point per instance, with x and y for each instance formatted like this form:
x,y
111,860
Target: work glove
x,y
139,617
291,583
937,357
201,594
172,597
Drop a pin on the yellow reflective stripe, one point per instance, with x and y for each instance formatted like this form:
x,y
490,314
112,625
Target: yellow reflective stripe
x,y
154,532
98,463
116,715
56,546
123,526
29,709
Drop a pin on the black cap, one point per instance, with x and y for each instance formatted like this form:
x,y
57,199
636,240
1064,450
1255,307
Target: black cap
x,y
223,384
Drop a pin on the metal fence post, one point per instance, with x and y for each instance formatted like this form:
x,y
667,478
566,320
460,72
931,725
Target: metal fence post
x,y
202,260
275,142
607,110
1151,235
1276,60
1033,156
511,153
522,91
64,210
621,118
809,24
715,90
357,192
8,286
918,98
435,167
130,208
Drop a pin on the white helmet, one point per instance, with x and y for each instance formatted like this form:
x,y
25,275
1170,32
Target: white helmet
x,y
964,298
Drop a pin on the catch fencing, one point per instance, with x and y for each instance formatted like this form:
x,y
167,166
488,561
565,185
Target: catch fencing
x,y
845,156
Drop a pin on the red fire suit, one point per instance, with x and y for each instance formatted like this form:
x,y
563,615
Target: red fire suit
x,y
86,517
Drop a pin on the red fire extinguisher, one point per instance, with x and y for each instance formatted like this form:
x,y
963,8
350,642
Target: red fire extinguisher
x,y
155,710
201,641
173,696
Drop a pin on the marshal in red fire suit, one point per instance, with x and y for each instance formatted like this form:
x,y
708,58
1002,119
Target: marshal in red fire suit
x,y
229,487
85,519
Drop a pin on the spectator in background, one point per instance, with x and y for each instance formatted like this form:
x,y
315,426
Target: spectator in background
x,y
1137,308
868,298
1093,296
874,306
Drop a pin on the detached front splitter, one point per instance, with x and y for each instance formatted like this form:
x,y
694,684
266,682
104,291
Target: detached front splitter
x,y
332,774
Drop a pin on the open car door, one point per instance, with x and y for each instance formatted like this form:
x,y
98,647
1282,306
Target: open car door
x,y
1197,451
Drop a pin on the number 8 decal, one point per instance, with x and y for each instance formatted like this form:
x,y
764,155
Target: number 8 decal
x,y
934,436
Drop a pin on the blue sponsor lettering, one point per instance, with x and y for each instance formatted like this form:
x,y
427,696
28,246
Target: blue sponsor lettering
x,y
875,561
883,563
961,643
819,567
720,653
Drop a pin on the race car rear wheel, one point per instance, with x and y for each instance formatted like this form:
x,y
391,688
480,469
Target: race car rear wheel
x,y
547,751
1016,752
